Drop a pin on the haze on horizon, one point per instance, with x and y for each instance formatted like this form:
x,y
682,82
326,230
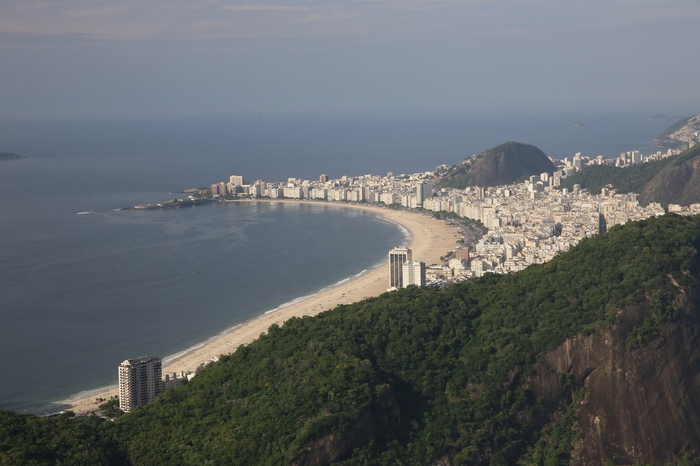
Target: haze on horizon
x,y
128,58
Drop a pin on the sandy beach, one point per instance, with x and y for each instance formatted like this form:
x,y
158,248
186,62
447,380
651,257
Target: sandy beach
x,y
430,239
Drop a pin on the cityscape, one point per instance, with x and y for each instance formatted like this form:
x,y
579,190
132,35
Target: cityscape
x,y
526,223
523,223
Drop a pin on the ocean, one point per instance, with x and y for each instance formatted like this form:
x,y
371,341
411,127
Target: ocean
x,y
84,285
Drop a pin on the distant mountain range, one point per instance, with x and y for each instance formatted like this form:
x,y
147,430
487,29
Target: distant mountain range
x,y
505,164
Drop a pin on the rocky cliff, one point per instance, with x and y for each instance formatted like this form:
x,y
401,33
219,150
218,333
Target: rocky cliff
x,y
641,405
678,182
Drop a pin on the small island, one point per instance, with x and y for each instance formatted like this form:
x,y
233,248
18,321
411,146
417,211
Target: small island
x,y
10,156
579,124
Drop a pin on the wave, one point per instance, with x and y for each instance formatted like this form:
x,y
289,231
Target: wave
x,y
175,356
87,393
406,234
172,357
292,302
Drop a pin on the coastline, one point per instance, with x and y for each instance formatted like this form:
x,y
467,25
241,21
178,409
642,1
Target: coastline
x,y
429,239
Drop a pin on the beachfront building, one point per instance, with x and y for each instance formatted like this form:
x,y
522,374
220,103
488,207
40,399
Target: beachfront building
x,y
236,180
140,381
397,257
414,273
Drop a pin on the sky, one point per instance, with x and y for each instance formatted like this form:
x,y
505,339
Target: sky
x,y
142,58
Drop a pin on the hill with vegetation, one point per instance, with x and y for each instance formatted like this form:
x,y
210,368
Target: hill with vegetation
x,y
505,164
589,358
677,182
679,134
673,180
625,180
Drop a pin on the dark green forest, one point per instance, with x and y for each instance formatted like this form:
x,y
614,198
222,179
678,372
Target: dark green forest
x,y
405,378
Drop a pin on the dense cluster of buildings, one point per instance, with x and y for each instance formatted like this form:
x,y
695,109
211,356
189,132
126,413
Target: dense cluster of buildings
x,y
625,159
688,135
528,222
407,190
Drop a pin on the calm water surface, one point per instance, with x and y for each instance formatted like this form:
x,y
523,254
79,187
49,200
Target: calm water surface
x,y
81,292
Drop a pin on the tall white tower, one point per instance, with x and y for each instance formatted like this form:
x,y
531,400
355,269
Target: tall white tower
x,y
413,273
140,381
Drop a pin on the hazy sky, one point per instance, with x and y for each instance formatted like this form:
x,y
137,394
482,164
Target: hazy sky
x,y
66,58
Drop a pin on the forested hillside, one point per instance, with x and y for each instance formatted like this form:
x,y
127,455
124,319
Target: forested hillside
x,y
504,164
423,375
677,182
669,181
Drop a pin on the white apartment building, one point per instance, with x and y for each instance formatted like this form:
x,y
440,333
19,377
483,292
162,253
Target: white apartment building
x,y
140,381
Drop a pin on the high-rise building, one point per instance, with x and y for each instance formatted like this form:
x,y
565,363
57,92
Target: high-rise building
x,y
424,190
323,178
140,381
397,257
236,180
413,273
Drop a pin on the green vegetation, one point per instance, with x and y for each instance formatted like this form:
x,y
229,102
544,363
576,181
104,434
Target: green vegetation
x,y
667,181
111,409
58,439
625,180
406,378
556,441
508,163
677,182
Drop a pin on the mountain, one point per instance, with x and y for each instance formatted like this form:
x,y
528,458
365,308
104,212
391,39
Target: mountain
x,y
673,180
625,180
677,182
681,134
590,358
504,164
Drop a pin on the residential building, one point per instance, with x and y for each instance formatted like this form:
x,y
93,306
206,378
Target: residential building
x,y
397,257
414,273
140,381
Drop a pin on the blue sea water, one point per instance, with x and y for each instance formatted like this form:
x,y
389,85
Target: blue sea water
x,y
81,292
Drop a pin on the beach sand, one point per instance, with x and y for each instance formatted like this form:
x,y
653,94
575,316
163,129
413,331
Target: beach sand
x,y
430,239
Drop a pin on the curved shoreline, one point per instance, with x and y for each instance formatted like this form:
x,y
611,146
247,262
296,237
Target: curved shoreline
x,y
428,238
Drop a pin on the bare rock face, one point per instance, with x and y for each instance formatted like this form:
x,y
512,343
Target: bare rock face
x,y
642,404
677,183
